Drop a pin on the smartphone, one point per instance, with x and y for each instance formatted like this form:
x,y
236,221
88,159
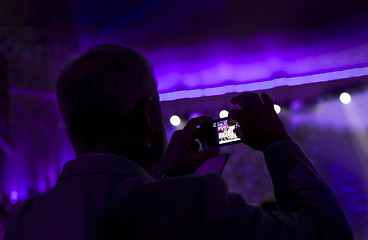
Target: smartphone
x,y
219,132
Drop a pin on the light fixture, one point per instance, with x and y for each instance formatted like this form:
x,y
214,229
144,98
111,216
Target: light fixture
x,y
224,114
345,98
277,108
175,120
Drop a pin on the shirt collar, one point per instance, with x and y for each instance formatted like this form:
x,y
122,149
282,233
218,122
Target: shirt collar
x,y
102,163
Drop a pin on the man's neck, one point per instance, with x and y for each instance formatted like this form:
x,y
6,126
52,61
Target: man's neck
x,y
139,157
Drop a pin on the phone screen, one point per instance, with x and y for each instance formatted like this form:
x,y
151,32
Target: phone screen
x,y
225,132
220,133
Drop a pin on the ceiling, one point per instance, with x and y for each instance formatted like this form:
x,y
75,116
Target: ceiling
x,y
196,44
153,24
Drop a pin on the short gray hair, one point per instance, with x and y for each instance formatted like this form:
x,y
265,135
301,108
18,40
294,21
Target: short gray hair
x,y
98,90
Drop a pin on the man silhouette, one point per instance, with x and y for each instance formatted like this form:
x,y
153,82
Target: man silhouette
x,y
109,102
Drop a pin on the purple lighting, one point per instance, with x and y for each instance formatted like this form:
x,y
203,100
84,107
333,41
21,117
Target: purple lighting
x,y
292,81
214,91
33,93
221,63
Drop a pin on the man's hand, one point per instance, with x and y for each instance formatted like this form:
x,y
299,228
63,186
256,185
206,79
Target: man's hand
x,y
181,156
259,123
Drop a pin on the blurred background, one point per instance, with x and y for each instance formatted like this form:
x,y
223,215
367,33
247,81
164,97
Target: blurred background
x,y
310,56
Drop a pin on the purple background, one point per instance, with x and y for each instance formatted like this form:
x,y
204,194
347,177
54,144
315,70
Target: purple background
x,y
304,53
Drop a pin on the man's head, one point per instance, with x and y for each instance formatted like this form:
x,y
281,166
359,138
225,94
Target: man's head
x,y
109,102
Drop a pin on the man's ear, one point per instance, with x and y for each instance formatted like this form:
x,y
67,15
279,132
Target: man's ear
x,y
144,114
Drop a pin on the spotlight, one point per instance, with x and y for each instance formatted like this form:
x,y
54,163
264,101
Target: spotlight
x,y
345,98
175,120
277,108
224,114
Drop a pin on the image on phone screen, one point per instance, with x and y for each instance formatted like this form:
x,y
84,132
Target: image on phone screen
x,y
226,132
220,133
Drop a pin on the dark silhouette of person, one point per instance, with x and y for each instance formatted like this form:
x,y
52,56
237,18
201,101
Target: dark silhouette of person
x,y
270,205
125,183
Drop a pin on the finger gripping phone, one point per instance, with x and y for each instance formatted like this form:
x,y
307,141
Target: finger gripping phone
x,y
220,132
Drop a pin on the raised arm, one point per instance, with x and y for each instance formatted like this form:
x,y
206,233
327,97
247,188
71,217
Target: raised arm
x,y
308,208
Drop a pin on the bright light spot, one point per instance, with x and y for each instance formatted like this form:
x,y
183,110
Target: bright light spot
x,y
175,120
224,114
277,108
345,98
13,197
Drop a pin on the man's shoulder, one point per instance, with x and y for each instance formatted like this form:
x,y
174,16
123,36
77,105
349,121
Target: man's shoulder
x,y
27,205
23,209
